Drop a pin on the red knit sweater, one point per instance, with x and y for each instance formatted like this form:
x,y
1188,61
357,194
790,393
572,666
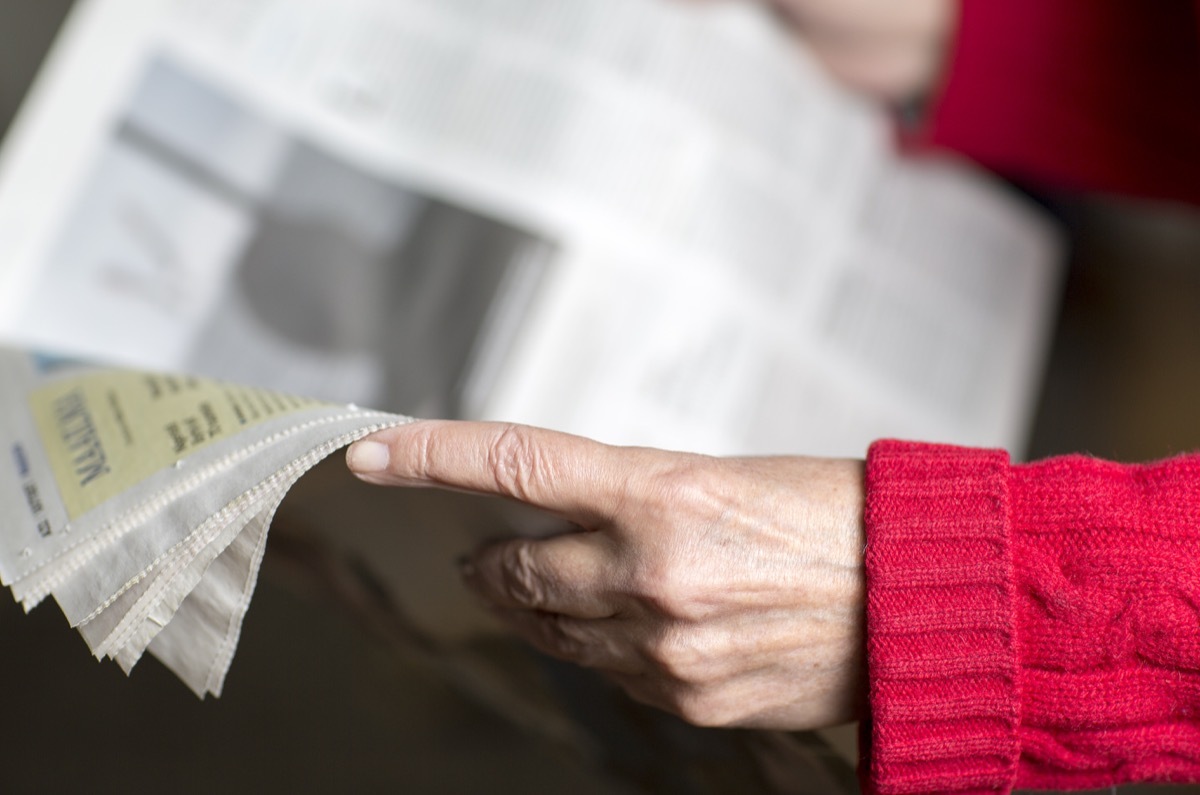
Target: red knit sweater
x,y
1035,626
1038,626
1098,95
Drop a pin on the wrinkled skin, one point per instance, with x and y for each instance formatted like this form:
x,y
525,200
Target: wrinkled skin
x,y
727,591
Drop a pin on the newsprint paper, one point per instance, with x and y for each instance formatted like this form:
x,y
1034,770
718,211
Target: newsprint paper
x,y
141,502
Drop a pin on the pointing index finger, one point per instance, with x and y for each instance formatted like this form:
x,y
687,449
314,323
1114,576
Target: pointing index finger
x,y
568,475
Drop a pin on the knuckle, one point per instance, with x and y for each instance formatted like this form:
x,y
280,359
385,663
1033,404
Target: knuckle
x,y
703,707
419,454
691,481
517,464
668,589
677,656
519,577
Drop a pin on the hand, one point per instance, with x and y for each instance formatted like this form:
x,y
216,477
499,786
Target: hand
x,y
727,591
891,50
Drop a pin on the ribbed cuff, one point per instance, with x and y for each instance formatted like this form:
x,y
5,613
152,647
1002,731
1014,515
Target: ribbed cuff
x,y
941,650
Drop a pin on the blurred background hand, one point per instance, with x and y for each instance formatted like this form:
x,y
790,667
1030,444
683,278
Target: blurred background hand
x,y
727,591
890,50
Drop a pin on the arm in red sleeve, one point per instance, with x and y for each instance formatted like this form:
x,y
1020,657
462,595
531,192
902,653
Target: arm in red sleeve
x,y
1096,95
1033,626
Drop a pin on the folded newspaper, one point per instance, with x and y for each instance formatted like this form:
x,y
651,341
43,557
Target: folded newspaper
x,y
141,501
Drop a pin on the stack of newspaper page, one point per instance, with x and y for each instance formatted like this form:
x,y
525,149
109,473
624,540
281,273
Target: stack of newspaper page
x,y
141,501
646,221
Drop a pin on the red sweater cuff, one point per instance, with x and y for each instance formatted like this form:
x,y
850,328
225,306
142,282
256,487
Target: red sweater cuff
x,y
941,646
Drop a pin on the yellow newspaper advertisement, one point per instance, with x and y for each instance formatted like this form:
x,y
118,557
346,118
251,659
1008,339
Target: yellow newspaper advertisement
x,y
107,431
133,498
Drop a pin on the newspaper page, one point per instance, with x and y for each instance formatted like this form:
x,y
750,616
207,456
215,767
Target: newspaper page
x,y
140,501
645,221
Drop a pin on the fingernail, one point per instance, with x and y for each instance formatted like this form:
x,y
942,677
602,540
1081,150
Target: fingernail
x,y
367,457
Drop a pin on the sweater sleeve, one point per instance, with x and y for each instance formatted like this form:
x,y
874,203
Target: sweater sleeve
x,y
1034,626
1078,94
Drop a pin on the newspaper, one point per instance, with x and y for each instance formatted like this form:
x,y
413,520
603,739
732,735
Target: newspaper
x,y
141,501
645,221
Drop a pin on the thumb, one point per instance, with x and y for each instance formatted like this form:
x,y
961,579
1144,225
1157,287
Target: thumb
x,y
568,475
